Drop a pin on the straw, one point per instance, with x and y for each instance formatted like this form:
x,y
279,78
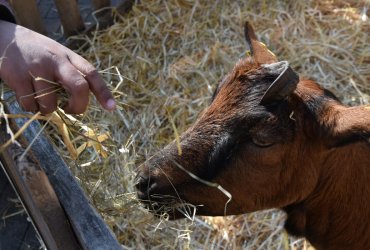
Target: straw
x,y
162,61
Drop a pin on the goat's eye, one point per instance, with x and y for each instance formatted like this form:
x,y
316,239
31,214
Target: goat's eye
x,y
262,142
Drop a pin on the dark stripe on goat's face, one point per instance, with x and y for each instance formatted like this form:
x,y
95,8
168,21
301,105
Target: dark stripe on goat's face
x,y
238,132
222,153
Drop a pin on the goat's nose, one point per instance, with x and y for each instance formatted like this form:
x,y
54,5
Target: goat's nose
x,y
144,184
141,183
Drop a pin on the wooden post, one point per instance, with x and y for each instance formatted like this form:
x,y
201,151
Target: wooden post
x,y
104,16
99,4
70,17
28,15
125,6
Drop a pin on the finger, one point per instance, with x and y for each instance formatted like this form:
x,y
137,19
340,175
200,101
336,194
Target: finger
x,y
45,92
96,83
76,86
25,94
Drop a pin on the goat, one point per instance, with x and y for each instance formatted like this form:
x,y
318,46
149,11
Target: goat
x,y
270,140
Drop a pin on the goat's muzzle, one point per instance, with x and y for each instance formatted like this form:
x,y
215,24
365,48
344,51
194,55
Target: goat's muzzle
x,y
154,193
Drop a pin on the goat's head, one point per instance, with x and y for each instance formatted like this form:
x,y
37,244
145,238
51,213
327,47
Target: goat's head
x,y
242,154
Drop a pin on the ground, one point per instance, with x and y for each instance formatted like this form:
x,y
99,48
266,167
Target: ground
x,y
162,62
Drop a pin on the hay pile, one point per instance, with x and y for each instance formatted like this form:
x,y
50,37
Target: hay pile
x,y
163,61
171,55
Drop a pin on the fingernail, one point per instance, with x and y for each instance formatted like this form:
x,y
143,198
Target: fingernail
x,y
110,104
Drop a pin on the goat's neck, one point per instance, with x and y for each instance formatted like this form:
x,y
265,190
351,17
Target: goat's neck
x,y
334,215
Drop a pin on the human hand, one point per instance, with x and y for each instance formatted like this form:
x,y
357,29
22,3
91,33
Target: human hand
x,y
25,54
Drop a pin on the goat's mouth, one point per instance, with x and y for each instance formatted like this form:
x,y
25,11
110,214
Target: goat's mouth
x,y
162,198
167,206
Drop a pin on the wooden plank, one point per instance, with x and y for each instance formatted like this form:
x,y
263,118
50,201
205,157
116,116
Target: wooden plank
x,y
25,195
37,196
28,15
89,227
70,17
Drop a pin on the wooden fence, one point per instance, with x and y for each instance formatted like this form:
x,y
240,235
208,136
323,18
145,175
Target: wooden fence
x,y
59,210
54,201
28,14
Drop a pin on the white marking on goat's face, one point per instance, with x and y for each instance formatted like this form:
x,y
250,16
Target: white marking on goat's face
x,y
236,143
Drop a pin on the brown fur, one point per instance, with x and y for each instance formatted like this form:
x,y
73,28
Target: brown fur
x,y
307,154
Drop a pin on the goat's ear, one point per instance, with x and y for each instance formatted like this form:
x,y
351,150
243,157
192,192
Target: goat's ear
x,y
260,53
284,84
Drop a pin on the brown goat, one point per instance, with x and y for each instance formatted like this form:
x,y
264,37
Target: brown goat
x,y
270,140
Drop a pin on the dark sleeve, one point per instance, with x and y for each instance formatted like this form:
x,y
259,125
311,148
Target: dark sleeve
x,y
6,13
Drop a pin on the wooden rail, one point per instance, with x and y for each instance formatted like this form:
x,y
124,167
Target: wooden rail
x,y
60,211
36,195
